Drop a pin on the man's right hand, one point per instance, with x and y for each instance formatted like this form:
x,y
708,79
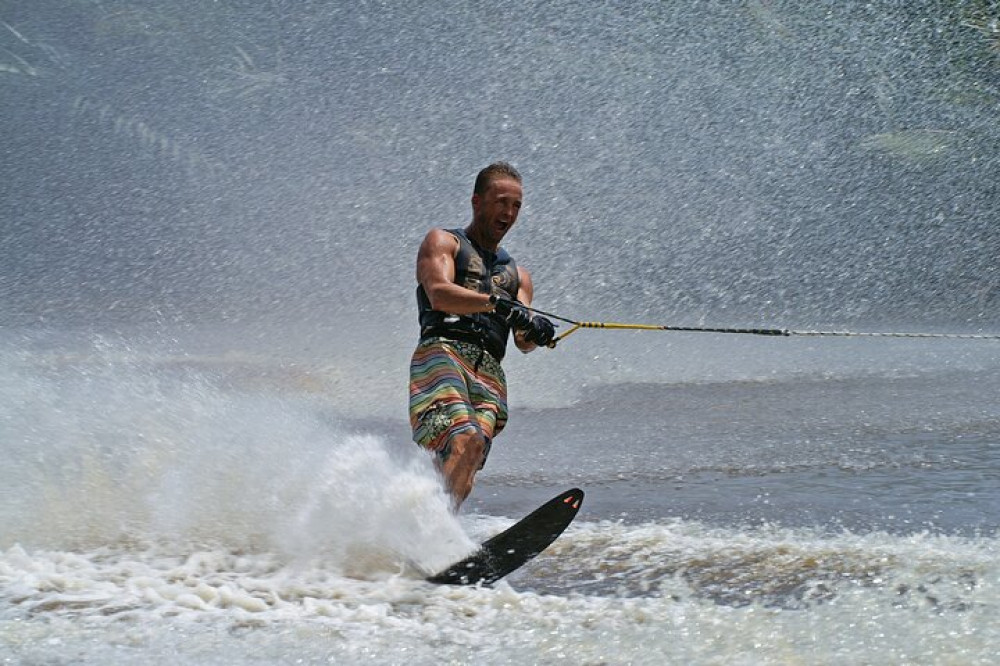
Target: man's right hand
x,y
516,314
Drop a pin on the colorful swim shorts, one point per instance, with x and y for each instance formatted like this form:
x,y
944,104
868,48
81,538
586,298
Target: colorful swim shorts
x,y
455,387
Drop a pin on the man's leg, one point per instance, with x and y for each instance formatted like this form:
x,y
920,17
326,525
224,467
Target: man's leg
x,y
443,416
464,459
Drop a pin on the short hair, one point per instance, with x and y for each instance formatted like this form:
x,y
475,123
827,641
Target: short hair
x,y
493,172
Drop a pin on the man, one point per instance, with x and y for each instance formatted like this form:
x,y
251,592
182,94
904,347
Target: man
x,y
471,295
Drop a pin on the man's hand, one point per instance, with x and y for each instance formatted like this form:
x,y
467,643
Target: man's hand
x,y
541,331
516,314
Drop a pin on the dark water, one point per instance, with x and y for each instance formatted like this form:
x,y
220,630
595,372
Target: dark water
x,y
899,453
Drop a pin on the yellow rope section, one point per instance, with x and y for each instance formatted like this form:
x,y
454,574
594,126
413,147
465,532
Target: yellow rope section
x,y
577,325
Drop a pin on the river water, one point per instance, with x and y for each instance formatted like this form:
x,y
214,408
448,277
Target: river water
x,y
164,503
210,214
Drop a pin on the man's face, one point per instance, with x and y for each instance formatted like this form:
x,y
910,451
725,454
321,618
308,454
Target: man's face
x,y
495,212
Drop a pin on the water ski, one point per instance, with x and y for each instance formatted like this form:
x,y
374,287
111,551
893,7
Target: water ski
x,y
516,545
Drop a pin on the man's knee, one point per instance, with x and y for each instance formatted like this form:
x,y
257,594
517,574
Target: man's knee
x,y
471,446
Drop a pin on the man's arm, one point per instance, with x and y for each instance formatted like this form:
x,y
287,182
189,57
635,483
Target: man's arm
x,y
525,293
436,273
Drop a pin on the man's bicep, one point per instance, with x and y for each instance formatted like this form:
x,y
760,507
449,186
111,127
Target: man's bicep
x,y
525,289
435,259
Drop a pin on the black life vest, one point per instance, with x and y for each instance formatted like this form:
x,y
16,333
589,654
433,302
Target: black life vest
x,y
482,271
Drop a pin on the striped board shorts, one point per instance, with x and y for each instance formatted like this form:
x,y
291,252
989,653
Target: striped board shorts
x,y
455,387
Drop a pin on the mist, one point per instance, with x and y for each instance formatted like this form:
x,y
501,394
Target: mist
x,y
277,163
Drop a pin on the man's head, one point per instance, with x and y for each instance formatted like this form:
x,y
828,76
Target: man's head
x,y
493,172
496,202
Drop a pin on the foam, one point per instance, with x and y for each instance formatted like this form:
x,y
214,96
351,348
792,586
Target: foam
x,y
121,451
887,598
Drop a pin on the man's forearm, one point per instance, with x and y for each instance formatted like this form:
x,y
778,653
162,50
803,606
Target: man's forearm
x,y
457,300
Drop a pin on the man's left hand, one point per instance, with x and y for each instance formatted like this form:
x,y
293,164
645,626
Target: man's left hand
x,y
540,331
